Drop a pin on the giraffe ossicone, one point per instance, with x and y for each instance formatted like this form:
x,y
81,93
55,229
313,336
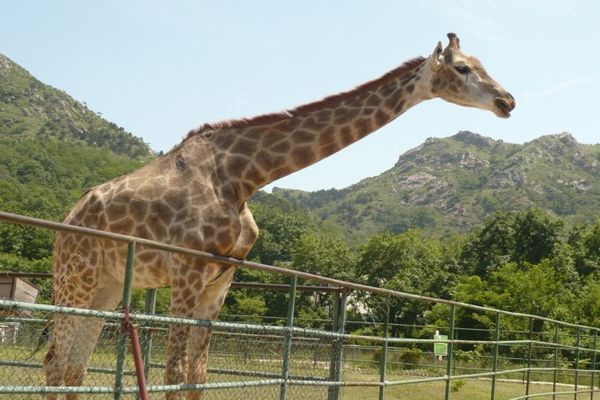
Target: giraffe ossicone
x,y
195,196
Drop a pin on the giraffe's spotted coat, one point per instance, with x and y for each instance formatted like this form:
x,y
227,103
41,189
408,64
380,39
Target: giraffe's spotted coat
x,y
194,196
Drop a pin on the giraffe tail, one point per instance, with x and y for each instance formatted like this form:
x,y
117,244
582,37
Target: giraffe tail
x,y
42,339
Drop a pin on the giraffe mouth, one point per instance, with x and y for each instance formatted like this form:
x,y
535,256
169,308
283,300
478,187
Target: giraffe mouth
x,y
503,107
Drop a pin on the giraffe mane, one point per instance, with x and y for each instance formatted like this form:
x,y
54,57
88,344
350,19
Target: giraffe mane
x,y
315,105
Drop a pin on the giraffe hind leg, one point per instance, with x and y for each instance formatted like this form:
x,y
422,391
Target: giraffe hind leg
x,y
88,331
69,291
55,362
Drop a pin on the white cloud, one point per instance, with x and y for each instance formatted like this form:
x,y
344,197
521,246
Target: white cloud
x,y
564,85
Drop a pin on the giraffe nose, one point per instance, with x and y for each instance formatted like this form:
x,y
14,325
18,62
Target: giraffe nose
x,y
513,102
504,105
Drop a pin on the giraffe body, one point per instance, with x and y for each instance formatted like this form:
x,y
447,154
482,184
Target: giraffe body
x,y
195,196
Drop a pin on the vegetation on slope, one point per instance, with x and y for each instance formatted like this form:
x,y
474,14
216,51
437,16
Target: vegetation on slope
x,y
30,109
452,184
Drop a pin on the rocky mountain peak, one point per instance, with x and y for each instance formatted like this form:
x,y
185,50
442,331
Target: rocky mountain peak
x,y
473,138
567,139
5,63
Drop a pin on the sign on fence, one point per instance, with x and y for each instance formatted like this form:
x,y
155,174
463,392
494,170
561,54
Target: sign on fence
x,y
440,348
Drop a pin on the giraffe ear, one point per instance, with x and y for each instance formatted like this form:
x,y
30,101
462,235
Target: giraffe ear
x,y
438,50
436,57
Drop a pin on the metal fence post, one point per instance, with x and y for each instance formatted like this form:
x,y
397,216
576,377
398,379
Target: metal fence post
x,y
450,360
556,338
339,323
121,347
384,352
495,355
287,345
149,308
593,364
577,353
529,357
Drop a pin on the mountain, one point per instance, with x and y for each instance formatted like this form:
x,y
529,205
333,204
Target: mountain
x,y
52,148
452,184
30,109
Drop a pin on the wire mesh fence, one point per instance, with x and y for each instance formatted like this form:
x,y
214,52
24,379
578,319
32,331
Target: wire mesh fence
x,y
247,357
245,360
512,356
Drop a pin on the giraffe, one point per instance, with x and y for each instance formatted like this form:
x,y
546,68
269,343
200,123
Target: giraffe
x,y
195,196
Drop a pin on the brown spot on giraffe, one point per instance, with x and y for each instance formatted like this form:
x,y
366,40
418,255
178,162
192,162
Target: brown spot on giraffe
x,y
282,147
329,149
303,156
244,146
399,107
327,136
381,117
362,126
303,136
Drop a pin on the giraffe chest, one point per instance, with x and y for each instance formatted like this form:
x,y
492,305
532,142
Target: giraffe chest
x,y
219,231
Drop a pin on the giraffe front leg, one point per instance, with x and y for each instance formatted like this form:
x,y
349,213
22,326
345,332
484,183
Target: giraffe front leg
x,y
198,361
177,359
208,307
185,291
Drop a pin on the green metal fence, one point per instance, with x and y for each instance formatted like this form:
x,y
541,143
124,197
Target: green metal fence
x,y
283,360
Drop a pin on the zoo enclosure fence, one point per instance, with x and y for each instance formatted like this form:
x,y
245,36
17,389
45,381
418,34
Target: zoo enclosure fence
x,y
288,362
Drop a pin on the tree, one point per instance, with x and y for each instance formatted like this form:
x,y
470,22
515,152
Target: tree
x,y
538,289
491,245
536,234
524,237
278,232
588,304
408,263
585,242
323,254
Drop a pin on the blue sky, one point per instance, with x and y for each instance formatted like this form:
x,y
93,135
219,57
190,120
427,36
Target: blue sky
x,y
160,68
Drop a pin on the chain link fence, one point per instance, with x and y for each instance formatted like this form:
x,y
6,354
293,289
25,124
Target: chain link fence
x,y
245,360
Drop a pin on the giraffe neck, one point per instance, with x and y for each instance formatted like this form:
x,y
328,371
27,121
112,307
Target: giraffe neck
x,y
260,150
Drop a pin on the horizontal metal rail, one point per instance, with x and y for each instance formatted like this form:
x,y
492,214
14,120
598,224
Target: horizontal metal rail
x,y
224,371
11,304
57,226
266,382
237,285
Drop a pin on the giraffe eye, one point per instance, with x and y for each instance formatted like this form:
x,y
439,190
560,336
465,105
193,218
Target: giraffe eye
x,y
462,69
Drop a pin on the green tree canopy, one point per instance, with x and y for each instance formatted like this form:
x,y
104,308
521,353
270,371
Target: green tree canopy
x,y
407,262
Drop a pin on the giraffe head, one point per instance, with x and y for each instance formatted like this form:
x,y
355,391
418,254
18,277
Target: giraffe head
x,y
461,79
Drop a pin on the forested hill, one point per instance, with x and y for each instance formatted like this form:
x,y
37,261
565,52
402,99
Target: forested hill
x,y
52,148
30,109
452,184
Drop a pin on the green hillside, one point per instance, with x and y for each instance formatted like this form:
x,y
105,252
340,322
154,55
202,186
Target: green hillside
x,y
30,109
52,148
452,184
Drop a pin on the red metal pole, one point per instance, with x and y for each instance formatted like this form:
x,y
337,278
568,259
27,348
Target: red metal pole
x,y
137,355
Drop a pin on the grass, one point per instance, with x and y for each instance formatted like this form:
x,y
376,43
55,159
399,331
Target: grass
x,y
472,389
